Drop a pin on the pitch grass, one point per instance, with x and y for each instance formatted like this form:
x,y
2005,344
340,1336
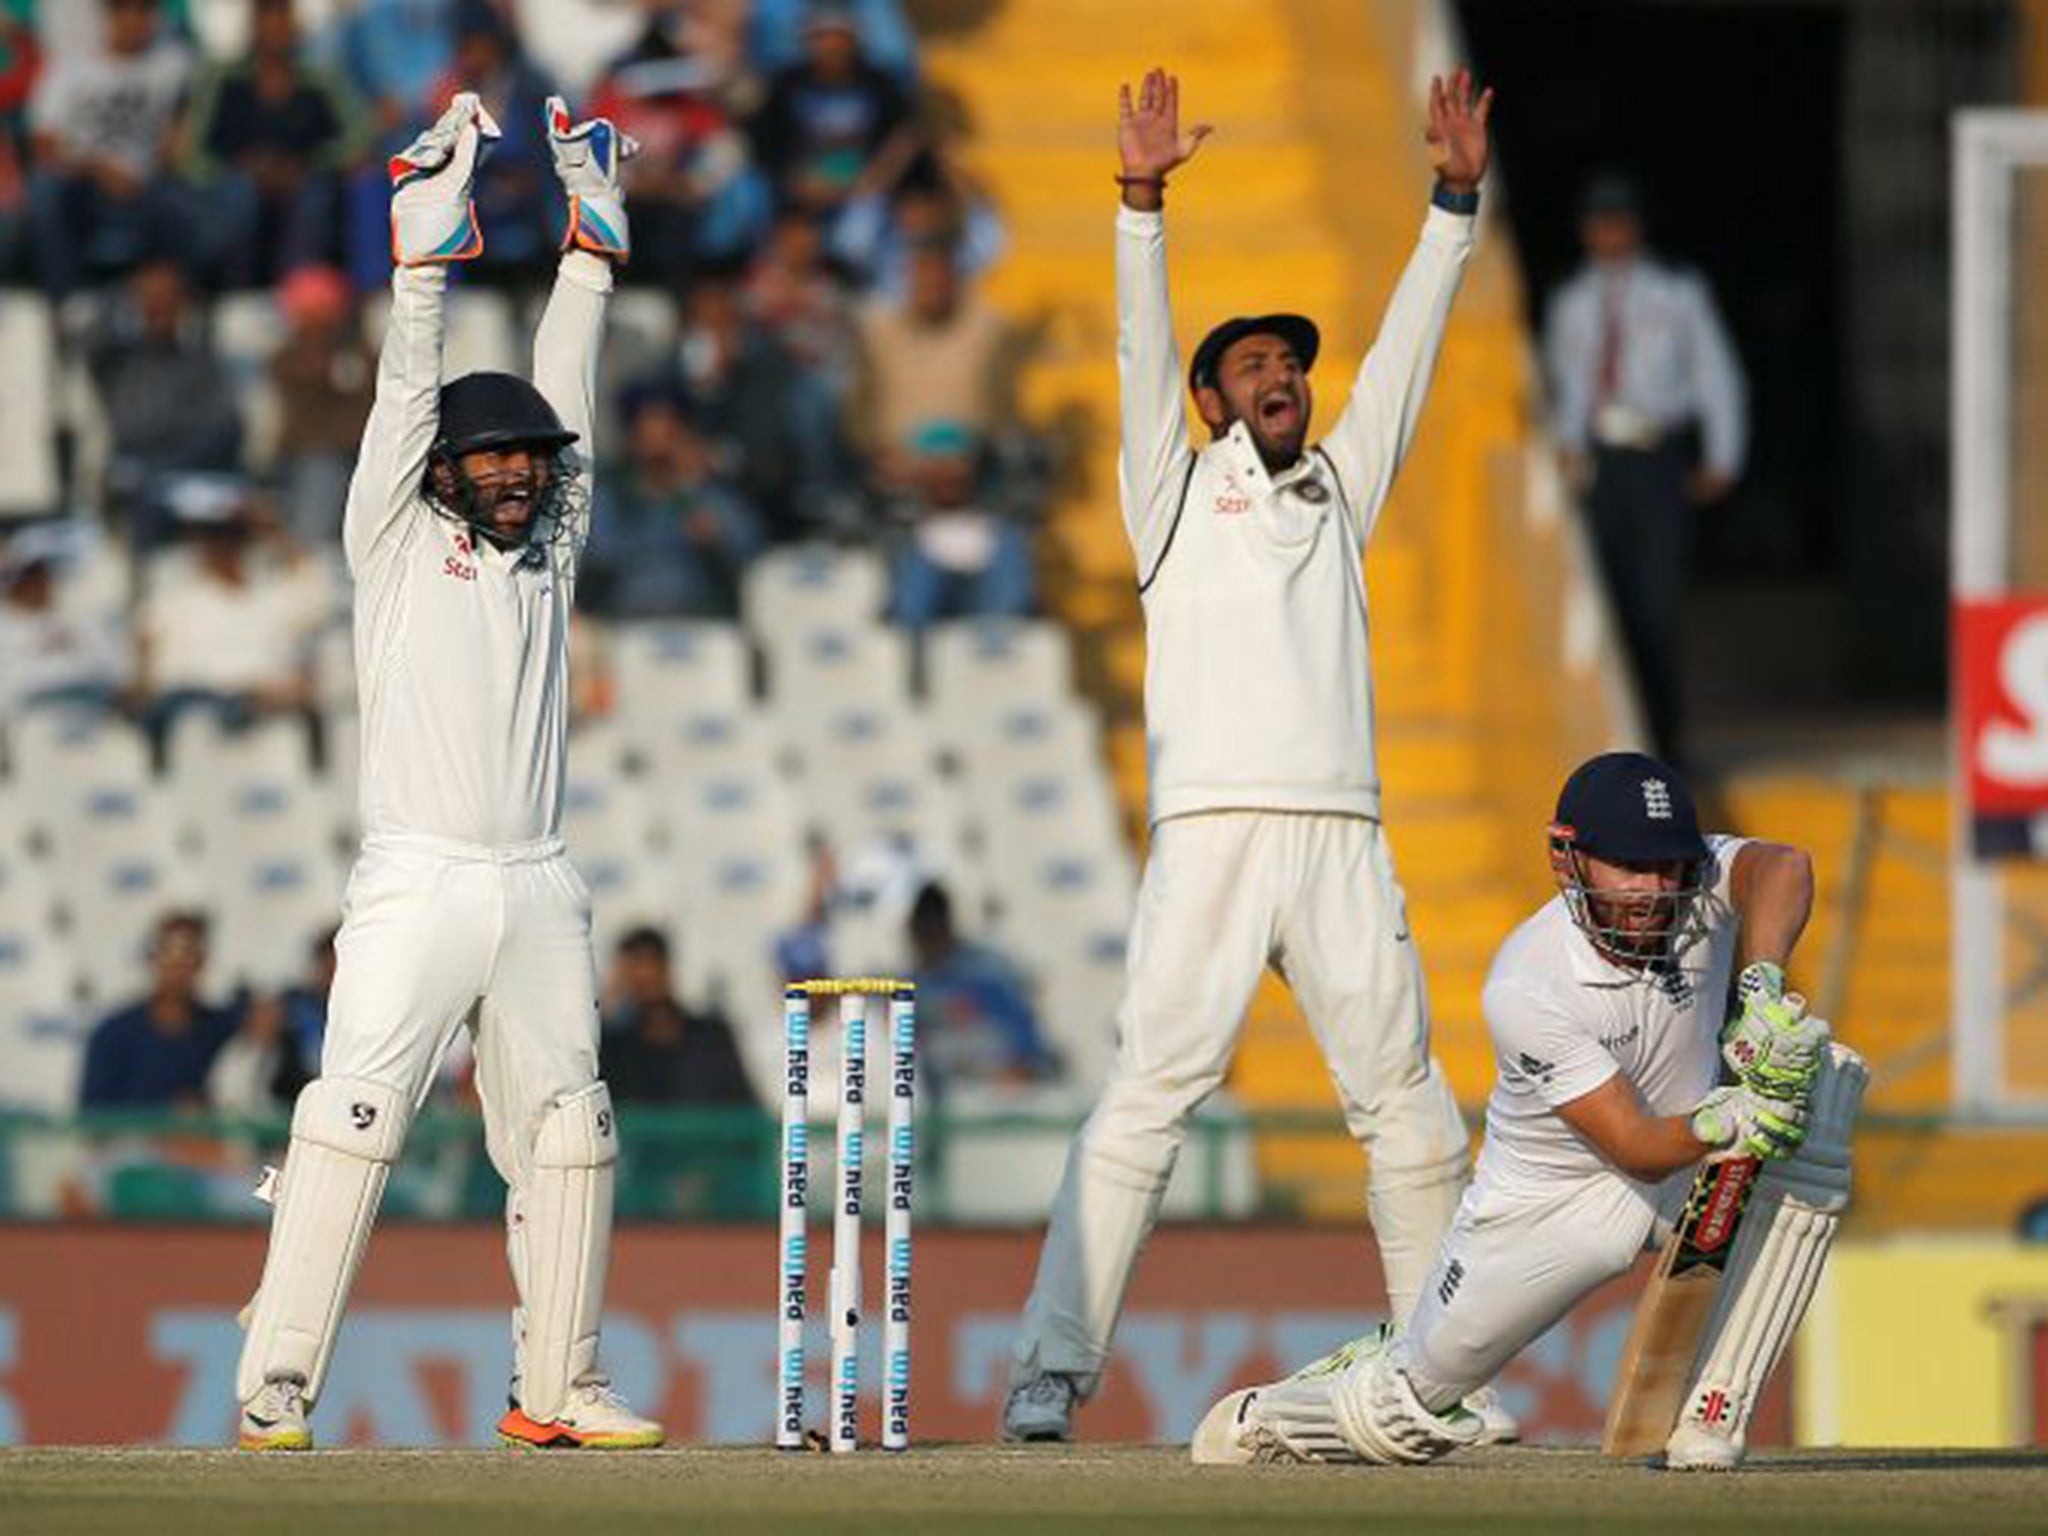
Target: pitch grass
x,y
1034,1491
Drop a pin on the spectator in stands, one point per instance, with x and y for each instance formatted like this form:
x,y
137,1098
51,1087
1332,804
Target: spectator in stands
x,y
671,533
697,195
962,558
656,1051
518,201
975,1024
102,196
794,292
1641,370
276,1051
933,202
270,137
828,118
52,654
940,355
157,1052
393,52
778,35
325,376
21,61
773,425
168,400
232,627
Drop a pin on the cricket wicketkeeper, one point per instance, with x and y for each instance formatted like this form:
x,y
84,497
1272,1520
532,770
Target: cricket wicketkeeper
x,y
464,523
1607,1015
1267,848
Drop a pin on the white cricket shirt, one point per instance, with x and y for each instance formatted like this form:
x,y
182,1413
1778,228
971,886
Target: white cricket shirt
x,y
1258,678
1564,1020
462,649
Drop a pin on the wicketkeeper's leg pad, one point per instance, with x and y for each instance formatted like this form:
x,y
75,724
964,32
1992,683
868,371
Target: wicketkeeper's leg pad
x,y
346,1133
1779,1253
561,1248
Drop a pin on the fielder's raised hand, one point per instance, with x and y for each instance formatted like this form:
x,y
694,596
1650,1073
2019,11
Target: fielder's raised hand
x,y
432,217
1458,144
587,160
1149,140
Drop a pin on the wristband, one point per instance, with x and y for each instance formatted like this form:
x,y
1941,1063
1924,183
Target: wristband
x,y
1443,197
1142,181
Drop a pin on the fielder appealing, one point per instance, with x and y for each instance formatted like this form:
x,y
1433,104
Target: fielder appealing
x,y
465,519
1606,1010
1266,843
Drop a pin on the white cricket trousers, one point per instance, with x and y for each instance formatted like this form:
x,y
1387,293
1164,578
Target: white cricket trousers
x,y
1515,1263
434,932
1224,896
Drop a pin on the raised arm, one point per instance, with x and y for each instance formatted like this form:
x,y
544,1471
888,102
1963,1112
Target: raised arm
x,y
433,223
1154,457
1372,435
598,238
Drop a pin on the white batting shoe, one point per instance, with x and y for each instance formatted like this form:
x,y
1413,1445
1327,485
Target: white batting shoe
x,y
1498,1426
1041,1410
275,1419
595,1418
1693,1448
1230,1434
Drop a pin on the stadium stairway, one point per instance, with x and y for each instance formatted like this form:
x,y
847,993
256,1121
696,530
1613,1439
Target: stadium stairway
x,y
1308,197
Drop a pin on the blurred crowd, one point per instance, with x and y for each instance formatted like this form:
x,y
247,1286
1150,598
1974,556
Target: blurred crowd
x,y
800,353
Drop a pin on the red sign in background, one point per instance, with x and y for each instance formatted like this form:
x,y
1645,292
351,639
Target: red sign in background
x,y
127,1334
2001,653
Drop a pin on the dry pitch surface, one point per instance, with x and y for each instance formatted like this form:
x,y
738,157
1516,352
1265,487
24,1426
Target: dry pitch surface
x,y
1042,1491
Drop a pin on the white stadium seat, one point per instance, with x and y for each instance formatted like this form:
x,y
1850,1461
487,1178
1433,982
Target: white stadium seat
x,y
28,389
976,668
665,671
709,744
819,669
808,587
267,911
478,332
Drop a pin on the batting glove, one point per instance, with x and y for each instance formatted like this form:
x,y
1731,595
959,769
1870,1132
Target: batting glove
x,y
587,160
432,217
1744,1120
1772,1045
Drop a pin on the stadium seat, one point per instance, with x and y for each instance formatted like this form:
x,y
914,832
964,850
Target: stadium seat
x,y
41,1032
975,670
248,796
267,910
247,331
1022,740
478,334
820,669
665,671
808,587
28,424
682,749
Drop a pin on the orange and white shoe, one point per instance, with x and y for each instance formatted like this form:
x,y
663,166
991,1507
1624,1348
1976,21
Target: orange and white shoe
x,y
275,1419
595,1418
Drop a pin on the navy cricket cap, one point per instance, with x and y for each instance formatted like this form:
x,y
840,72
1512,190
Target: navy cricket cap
x,y
1630,808
1298,331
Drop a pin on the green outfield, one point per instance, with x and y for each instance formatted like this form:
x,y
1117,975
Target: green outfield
x,y
1044,1492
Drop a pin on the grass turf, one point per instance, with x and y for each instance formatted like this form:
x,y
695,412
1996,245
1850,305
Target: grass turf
x,y
1035,1490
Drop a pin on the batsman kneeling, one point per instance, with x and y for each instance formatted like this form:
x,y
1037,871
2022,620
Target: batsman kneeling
x,y
465,519
1606,1012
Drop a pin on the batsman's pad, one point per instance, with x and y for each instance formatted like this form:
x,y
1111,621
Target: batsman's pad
x,y
346,1133
1779,1252
1384,1421
562,1248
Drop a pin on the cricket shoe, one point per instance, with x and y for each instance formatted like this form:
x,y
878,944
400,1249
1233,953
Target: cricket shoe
x,y
1289,1420
1499,1427
595,1418
1042,1409
275,1419
1693,1448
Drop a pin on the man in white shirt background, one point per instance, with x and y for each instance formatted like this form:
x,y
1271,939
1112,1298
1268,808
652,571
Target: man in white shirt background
x,y
1651,415
1267,848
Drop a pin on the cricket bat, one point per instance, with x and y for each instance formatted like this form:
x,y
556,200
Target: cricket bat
x,y
1657,1362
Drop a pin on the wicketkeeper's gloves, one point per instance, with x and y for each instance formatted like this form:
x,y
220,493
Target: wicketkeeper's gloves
x,y
432,217
587,160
